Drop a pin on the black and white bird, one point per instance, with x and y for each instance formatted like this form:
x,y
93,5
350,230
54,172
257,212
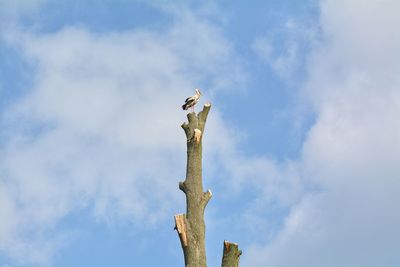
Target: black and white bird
x,y
191,101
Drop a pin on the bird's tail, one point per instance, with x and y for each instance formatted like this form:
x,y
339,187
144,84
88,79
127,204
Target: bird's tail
x,y
184,107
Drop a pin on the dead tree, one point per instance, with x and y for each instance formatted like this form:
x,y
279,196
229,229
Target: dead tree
x,y
190,226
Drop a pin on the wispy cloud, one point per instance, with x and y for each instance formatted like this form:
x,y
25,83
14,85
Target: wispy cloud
x,y
100,127
99,130
284,50
351,152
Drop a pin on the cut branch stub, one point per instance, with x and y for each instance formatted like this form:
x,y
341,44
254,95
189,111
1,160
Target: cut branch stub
x,y
196,123
205,198
182,186
202,116
180,226
231,255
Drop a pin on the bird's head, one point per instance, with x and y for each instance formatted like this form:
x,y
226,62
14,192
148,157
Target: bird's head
x,y
198,92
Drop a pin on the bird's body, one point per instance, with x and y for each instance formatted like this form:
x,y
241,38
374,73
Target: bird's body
x,y
191,101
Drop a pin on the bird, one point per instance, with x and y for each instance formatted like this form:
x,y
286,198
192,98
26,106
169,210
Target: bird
x,y
191,101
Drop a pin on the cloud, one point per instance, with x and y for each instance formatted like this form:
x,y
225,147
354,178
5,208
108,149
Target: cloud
x,y
99,130
351,153
284,49
11,11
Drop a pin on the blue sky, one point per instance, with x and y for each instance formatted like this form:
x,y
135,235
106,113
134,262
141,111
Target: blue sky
x,y
301,148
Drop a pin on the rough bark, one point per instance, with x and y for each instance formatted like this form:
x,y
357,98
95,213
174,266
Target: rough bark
x,y
231,255
193,241
190,226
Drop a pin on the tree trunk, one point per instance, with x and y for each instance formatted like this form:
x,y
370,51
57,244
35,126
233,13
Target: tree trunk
x,y
231,255
190,226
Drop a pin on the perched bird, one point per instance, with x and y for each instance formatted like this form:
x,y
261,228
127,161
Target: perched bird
x,y
191,101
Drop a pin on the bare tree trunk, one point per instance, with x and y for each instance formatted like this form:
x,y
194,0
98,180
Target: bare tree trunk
x,y
231,255
190,226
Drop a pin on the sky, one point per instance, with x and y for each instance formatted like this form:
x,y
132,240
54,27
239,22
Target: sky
x,y
301,147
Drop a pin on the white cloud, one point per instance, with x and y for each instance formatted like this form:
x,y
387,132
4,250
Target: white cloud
x,y
12,10
352,151
100,128
104,111
283,49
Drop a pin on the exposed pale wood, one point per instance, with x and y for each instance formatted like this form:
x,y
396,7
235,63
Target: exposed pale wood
x,y
197,135
180,226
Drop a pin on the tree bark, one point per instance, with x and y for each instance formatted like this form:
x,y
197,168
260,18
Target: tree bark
x,y
231,255
190,226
